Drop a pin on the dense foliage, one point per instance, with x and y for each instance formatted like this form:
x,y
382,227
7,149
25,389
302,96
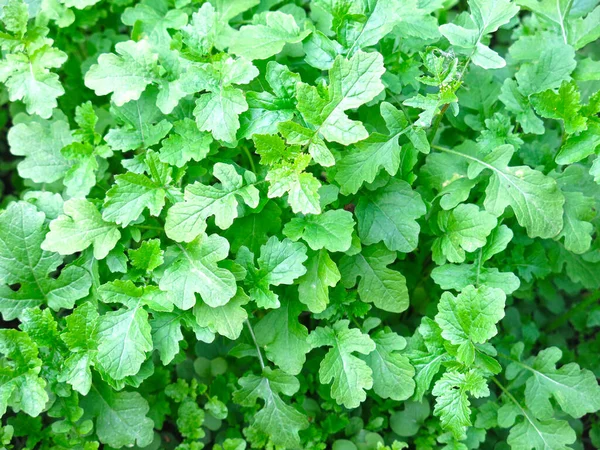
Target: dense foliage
x,y
347,224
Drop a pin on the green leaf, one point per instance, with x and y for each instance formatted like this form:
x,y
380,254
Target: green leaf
x,y
380,285
120,416
126,74
152,18
266,110
81,337
131,194
321,274
80,226
409,421
142,124
535,198
520,105
186,143
267,36
22,261
575,390
486,17
562,105
380,220
459,276
464,229
21,388
227,320
40,142
352,82
276,419
580,146
452,403
383,17
470,318
148,256
302,188
28,78
283,337
535,434
331,230
187,219
577,230
552,12
545,62
392,371
124,335
351,376
195,270
280,262
218,110
166,332
363,163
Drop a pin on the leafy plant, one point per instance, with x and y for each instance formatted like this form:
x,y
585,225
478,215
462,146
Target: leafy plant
x,y
347,224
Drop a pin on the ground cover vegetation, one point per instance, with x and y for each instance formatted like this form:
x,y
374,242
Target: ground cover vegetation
x,y
293,224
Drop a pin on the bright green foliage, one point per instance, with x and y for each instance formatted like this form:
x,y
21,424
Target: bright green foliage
x,y
40,142
187,219
380,220
283,338
353,82
564,105
276,419
376,152
380,285
350,375
125,75
299,224
267,36
280,262
331,230
392,371
321,274
80,226
23,262
470,318
227,320
452,404
22,388
25,68
218,110
464,229
486,17
133,192
575,390
195,269
120,417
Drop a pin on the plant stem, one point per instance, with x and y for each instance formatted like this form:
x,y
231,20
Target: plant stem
x,y
440,116
436,123
250,160
260,358
509,395
479,266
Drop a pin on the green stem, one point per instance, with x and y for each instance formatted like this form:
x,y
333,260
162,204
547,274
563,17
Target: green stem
x,y
148,227
260,358
510,396
440,116
436,123
479,266
250,160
